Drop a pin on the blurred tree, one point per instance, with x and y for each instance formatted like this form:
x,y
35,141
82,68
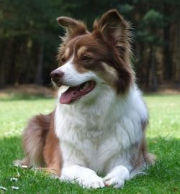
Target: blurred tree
x,y
28,30
29,37
153,23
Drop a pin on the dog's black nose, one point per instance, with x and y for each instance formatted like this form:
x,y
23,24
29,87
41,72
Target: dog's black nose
x,y
56,74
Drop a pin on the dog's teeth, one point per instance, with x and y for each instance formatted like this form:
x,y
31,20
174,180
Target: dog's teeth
x,y
86,85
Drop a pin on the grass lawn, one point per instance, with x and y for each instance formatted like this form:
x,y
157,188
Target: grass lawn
x,y
163,140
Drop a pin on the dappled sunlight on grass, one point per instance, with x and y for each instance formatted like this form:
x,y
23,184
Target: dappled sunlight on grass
x,y
164,114
15,113
163,140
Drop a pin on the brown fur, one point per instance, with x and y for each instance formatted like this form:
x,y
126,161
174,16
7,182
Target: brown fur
x,y
108,44
143,155
40,144
52,155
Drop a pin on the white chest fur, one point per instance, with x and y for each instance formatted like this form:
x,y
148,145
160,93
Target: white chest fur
x,y
103,135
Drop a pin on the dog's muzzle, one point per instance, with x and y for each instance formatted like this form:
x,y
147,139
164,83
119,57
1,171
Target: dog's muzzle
x,y
57,76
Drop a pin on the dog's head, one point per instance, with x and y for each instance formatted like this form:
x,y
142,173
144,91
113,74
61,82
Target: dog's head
x,y
90,61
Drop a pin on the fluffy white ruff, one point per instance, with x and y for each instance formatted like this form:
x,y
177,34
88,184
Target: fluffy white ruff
x,y
99,133
99,137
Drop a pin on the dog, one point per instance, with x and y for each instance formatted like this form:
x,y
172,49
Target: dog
x,y
96,134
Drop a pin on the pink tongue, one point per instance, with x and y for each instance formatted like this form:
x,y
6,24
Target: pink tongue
x,y
69,95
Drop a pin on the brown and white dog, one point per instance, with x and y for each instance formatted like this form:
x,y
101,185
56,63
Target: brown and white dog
x,y
98,126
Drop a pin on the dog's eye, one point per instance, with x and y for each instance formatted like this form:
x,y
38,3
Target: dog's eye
x,y
85,58
63,59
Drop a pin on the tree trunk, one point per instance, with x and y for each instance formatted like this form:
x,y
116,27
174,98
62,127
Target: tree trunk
x,y
5,62
153,71
178,52
148,69
2,67
38,79
167,56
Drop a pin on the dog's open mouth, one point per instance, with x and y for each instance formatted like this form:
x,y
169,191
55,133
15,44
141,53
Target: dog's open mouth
x,y
75,93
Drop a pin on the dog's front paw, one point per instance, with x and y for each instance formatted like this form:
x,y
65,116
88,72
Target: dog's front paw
x,y
87,178
113,181
92,182
117,177
88,182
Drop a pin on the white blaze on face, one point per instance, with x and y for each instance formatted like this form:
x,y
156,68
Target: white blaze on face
x,y
72,77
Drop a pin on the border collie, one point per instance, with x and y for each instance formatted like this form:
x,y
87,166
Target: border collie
x,y
96,135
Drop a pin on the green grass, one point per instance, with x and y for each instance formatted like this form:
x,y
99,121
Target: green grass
x,y
163,140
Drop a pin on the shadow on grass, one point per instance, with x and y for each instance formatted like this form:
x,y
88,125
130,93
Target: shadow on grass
x,y
11,149
166,149
160,178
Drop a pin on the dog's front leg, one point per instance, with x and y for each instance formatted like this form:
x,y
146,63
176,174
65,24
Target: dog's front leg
x,y
117,177
84,176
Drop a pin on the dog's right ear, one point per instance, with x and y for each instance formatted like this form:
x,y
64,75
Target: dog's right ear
x,y
73,27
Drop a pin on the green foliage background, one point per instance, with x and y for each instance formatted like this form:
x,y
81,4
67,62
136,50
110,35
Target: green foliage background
x,y
29,37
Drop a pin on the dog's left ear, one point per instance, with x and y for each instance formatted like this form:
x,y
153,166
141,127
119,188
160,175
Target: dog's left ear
x,y
73,27
113,27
